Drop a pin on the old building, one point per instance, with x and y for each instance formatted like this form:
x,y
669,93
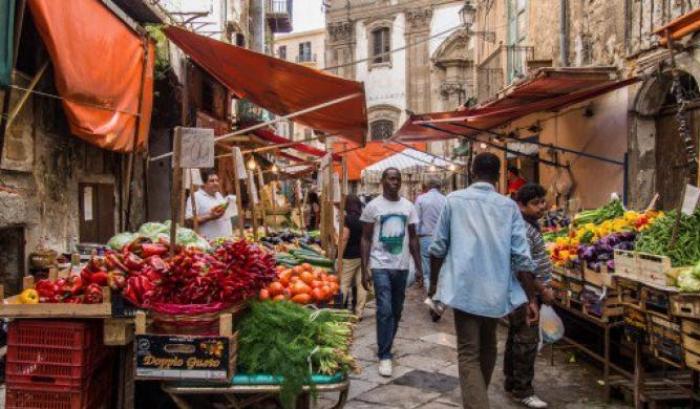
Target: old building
x,y
411,55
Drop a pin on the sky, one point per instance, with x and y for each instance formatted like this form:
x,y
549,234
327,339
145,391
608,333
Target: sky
x,y
307,15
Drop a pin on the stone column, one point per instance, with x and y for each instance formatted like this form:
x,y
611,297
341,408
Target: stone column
x,y
418,59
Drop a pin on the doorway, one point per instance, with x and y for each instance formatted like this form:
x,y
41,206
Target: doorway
x,y
96,203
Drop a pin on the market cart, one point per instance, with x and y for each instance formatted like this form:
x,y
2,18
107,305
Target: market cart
x,y
244,393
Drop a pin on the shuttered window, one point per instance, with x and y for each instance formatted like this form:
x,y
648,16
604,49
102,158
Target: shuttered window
x,y
381,45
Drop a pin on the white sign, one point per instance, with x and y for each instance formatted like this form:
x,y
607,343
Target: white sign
x,y
87,204
240,164
690,199
192,178
253,188
196,147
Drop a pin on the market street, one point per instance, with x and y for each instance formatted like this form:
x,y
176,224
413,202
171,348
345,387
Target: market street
x,y
425,374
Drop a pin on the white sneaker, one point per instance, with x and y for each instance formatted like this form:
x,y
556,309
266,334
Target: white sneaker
x,y
385,368
534,402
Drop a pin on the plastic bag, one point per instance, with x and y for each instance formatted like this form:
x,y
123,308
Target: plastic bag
x,y
551,326
120,240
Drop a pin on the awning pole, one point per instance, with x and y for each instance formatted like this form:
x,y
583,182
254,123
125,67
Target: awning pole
x,y
272,121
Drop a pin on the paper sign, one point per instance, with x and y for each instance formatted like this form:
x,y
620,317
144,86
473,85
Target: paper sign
x,y
232,209
192,178
336,188
196,147
87,203
690,199
240,164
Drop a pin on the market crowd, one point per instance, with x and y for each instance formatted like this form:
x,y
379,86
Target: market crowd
x,y
475,250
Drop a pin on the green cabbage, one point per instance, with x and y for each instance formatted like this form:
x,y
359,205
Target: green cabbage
x,y
152,229
120,240
688,282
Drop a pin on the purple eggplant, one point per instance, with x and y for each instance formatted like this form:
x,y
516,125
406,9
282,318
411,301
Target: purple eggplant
x,y
611,265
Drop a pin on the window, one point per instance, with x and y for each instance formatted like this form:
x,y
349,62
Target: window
x,y
282,52
381,129
304,52
517,36
381,45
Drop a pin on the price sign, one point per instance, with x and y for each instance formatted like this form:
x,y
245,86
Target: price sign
x,y
690,199
197,147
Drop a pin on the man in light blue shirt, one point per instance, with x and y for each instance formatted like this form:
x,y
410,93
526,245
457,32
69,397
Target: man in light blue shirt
x,y
429,206
481,239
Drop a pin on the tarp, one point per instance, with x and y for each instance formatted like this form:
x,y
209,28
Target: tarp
x,y
409,158
99,71
680,27
279,86
301,147
373,152
546,90
7,32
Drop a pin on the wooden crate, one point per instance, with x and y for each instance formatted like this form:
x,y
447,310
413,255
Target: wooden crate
x,y
626,263
629,291
635,317
602,278
118,331
691,335
11,307
692,360
657,300
665,339
653,268
686,305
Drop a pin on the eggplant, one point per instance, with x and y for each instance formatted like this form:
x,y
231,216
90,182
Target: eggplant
x,y
611,265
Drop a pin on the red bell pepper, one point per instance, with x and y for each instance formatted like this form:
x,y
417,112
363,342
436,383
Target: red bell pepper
x,y
149,250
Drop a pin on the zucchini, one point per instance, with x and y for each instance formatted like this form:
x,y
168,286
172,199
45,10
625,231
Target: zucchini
x,y
316,261
308,247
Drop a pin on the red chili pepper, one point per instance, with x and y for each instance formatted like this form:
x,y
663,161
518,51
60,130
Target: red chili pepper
x,y
93,294
113,262
100,278
153,250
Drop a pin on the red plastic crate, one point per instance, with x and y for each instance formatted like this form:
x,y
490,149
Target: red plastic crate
x,y
94,394
58,353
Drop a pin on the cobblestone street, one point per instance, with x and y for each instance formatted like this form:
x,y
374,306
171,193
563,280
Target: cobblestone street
x,y
425,370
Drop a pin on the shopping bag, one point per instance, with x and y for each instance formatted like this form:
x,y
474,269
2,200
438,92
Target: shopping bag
x,y
551,326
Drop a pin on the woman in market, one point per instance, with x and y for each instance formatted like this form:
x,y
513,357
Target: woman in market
x,y
313,211
349,255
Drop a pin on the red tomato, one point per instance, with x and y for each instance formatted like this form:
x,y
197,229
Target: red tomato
x,y
298,269
316,283
264,295
275,288
302,298
287,293
318,294
333,279
300,288
334,288
306,266
307,277
279,298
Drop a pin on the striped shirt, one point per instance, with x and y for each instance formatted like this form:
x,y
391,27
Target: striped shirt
x,y
538,250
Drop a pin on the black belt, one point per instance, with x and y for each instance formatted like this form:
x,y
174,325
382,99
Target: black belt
x,y
425,235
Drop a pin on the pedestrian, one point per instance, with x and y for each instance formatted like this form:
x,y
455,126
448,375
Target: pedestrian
x,y
523,338
349,255
211,206
313,210
515,181
429,205
389,240
481,239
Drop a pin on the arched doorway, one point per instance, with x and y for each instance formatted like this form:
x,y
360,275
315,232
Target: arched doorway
x,y
658,129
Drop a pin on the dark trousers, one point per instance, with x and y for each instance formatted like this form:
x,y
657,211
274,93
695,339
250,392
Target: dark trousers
x,y
390,292
476,350
520,354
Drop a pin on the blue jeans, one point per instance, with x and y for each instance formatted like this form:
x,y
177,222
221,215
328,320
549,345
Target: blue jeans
x,y
390,291
425,243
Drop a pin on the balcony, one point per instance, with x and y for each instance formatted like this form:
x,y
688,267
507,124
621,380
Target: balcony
x,y
279,15
306,58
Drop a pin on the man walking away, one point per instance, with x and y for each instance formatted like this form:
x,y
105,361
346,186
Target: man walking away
x,y
523,338
481,238
388,237
429,205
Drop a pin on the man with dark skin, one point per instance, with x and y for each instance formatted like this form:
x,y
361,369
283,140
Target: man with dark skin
x,y
481,263
388,236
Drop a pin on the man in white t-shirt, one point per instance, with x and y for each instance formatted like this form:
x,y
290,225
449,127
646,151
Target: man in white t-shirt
x,y
389,240
211,206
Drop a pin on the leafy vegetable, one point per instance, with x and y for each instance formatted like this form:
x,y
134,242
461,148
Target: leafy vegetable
x,y
688,283
119,241
656,239
285,339
609,211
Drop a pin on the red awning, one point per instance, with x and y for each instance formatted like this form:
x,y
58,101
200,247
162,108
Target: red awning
x,y
99,71
279,86
680,27
301,147
547,89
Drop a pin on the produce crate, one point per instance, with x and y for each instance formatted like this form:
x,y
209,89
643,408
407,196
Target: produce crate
x,y
186,357
691,335
601,305
686,305
93,394
11,307
629,291
653,268
602,278
626,263
635,317
665,339
692,361
53,352
656,300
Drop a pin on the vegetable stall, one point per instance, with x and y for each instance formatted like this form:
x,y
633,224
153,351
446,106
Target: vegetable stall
x,y
199,316
634,277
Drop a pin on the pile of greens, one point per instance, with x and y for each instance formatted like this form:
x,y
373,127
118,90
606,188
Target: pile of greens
x,y
656,239
160,232
611,210
286,339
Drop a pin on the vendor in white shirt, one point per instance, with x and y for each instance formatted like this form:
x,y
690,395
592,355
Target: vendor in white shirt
x,y
211,208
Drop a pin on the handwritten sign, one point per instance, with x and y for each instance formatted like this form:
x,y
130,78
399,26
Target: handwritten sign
x,y
197,147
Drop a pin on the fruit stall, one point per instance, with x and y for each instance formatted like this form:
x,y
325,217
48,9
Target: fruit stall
x,y
627,284
196,317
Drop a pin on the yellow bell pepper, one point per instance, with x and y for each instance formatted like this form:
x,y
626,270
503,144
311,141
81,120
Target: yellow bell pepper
x,y
29,296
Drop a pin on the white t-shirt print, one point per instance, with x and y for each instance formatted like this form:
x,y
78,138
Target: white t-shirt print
x,y
390,240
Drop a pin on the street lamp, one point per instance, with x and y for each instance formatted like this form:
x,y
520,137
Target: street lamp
x,y
468,16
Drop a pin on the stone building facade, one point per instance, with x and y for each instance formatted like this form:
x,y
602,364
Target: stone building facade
x,y
411,55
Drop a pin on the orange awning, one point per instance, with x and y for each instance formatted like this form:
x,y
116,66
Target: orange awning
x,y
546,90
279,86
373,152
270,136
99,71
680,27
